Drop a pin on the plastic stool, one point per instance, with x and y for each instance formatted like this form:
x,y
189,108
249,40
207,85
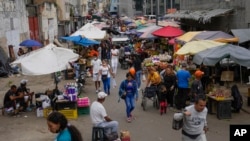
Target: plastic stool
x,y
98,134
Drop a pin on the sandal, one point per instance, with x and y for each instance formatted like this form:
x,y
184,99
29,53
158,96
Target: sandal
x,y
129,119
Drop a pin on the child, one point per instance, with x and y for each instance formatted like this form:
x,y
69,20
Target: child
x,y
162,99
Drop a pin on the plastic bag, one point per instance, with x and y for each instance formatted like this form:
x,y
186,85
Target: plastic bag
x,y
143,77
113,83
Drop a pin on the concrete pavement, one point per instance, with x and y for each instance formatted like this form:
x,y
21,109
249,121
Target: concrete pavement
x,y
148,126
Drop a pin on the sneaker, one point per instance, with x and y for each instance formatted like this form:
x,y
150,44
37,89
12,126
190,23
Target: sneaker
x,y
129,120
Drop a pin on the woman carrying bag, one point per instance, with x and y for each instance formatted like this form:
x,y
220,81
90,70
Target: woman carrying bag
x,y
129,93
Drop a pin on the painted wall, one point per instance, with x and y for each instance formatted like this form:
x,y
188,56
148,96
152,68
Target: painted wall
x,y
48,22
14,25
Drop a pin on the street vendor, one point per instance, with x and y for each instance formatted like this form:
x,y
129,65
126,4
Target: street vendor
x,y
26,96
196,87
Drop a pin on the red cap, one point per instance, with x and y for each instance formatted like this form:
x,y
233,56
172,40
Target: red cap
x,y
198,73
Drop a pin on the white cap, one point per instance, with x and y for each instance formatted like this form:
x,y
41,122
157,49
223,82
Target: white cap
x,y
101,95
24,81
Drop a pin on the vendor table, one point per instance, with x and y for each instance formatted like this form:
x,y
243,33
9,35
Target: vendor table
x,y
222,108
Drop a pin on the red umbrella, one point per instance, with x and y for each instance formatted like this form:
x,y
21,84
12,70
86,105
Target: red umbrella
x,y
168,31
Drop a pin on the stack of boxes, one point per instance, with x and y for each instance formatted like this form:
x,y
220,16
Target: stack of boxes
x,y
83,106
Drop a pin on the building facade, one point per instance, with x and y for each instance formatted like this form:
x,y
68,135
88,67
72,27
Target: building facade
x,y
236,14
14,27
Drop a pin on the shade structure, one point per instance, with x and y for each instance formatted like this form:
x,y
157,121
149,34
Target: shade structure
x,y
194,47
45,60
168,31
187,36
30,43
212,56
90,31
212,35
147,32
168,23
81,40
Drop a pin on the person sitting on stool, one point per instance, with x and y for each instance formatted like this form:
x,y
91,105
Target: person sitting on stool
x,y
99,115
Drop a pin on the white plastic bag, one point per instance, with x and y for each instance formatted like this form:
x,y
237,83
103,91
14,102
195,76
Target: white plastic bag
x,y
113,83
143,77
46,103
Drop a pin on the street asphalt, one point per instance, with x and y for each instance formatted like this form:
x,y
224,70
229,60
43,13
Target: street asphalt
x,y
149,125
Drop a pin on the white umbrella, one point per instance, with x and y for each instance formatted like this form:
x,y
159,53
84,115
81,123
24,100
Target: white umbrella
x,y
90,31
46,60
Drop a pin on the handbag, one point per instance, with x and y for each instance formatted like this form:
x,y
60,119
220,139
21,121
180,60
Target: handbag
x,y
177,123
123,96
104,77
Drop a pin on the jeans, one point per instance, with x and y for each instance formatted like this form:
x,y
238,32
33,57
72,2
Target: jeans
x,y
138,78
181,98
110,127
130,103
106,85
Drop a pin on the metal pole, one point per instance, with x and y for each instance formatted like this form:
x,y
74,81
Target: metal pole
x,y
151,3
171,4
165,7
157,14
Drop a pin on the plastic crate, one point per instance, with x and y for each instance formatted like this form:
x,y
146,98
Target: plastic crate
x,y
224,110
83,102
65,105
83,110
46,112
69,114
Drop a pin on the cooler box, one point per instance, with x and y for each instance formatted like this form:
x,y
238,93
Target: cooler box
x,y
83,102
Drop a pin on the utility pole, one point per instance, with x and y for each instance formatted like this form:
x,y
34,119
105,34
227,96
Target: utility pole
x,y
165,7
158,9
151,4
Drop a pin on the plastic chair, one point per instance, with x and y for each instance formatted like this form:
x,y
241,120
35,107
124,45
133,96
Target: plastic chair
x,y
98,134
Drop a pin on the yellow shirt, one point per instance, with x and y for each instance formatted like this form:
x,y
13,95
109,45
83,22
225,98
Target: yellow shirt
x,y
154,78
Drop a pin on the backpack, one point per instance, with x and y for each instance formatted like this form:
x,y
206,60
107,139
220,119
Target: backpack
x,y
238,101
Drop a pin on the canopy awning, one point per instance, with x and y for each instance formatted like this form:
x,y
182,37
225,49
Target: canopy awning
x,y
203,16
242,34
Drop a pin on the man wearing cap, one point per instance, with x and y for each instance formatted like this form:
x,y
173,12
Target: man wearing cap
x,y
183,77
196,87
99,115
25,94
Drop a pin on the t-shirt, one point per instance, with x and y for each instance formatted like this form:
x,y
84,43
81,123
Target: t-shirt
x,y
97,112
114,53
105,70
155,78
183,78
7,102
64,135
195,123
96,65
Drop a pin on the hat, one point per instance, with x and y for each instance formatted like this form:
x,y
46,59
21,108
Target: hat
x,y
24,81
198,73
101,95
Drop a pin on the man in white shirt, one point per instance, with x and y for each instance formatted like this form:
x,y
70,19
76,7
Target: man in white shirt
x,y
96,63
99,115
114,58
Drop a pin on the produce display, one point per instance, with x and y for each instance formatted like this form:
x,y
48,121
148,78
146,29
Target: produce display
x,y
220,93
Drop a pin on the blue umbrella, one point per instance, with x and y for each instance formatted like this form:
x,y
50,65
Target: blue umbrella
x,y
30,43
81,40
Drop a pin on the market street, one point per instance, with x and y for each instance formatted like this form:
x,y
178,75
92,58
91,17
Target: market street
x,y
148,126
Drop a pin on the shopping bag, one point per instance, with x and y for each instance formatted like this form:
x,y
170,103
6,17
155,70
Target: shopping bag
x,y
113,83
143,77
